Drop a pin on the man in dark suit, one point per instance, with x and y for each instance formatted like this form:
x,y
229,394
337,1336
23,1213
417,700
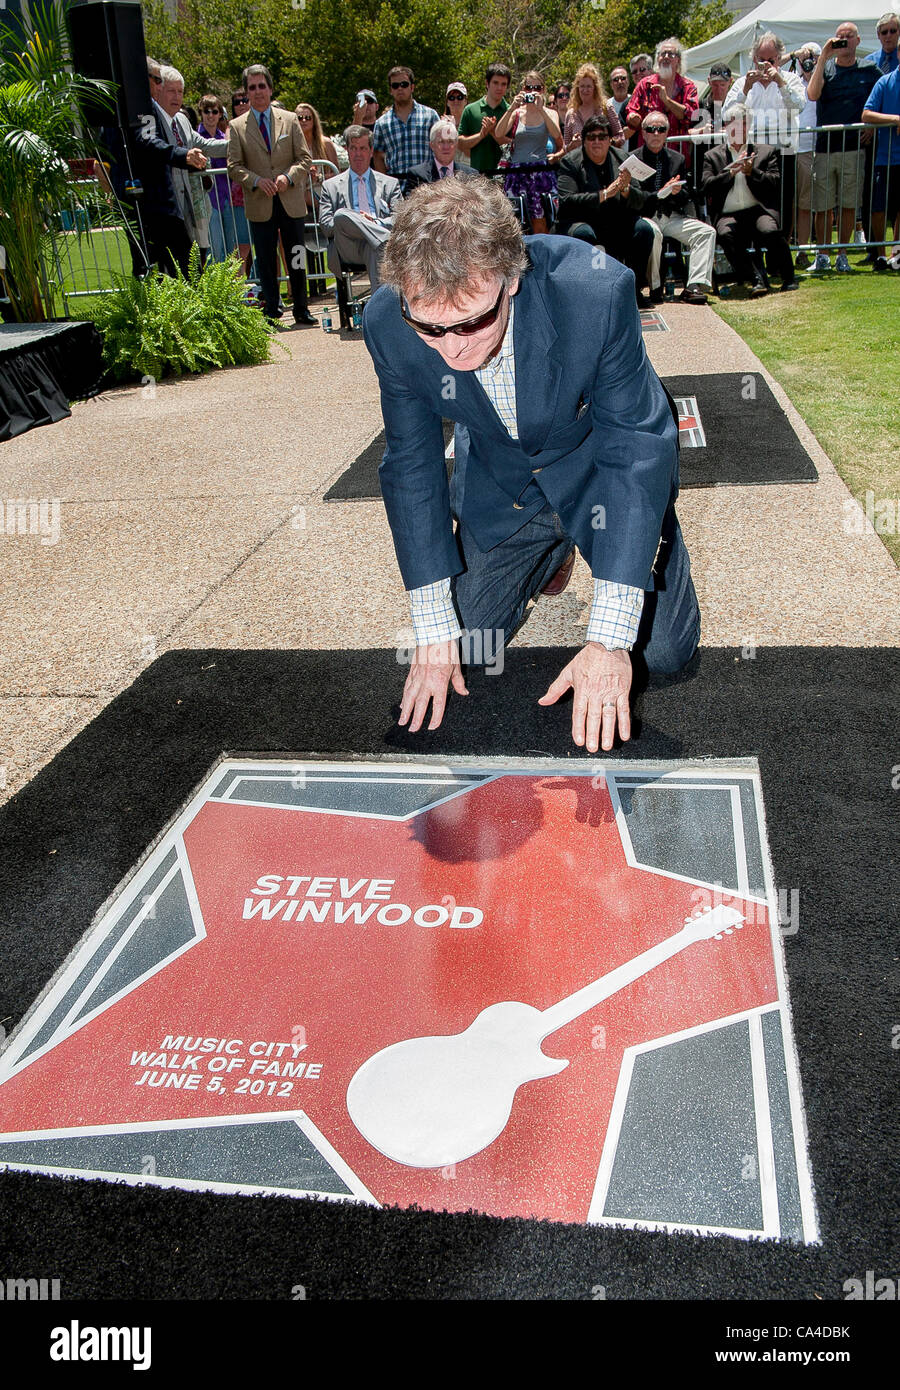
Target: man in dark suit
x,y
742,187
269,158
444,139
667,206
155,156
564,439
598,202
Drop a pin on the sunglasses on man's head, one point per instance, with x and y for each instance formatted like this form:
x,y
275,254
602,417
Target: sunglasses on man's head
x,y
464,329
396,86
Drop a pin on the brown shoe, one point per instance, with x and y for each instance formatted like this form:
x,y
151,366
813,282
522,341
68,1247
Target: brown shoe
x,y
558,581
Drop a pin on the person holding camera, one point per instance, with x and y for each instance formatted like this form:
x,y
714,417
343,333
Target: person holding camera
x,y
839,86
530,125
773,98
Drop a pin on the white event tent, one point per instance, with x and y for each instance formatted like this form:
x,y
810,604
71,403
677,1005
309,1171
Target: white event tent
x,y
794,21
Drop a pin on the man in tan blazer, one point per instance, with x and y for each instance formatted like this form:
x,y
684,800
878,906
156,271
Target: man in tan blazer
x,y
269,158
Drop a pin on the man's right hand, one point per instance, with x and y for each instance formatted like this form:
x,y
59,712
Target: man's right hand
x,y
196,159
268,187
433,668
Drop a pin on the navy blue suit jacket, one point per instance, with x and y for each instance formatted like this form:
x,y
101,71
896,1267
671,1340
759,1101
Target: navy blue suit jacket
x,y
597,437
155,157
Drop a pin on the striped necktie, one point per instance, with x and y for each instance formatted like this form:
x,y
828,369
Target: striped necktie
x,y
362,194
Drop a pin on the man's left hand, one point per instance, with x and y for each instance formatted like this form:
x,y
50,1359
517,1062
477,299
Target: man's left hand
x,y
281,183
600,681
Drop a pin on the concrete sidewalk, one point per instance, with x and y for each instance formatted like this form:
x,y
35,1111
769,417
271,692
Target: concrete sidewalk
x,y
191,516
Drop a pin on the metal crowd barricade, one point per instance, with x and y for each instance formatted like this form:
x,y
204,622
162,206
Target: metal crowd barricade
x,y
88,244
316,240
223,230
813,183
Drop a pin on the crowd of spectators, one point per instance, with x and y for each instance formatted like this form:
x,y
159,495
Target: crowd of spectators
x,y
737,171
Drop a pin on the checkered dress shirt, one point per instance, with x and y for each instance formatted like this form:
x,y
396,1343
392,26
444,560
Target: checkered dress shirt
x,y
616,610
404,143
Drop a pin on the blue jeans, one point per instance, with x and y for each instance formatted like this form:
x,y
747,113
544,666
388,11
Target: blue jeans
x,y
493,593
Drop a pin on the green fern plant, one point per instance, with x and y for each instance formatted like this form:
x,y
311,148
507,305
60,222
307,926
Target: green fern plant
x,y
167,324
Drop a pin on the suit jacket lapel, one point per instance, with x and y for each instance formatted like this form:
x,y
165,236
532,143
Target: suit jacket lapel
x,y
538,370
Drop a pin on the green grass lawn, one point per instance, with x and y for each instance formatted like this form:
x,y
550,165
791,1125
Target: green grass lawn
x,y
834,345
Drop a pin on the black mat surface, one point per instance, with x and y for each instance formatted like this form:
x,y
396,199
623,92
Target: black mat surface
x,y
359,482
749,439
823,724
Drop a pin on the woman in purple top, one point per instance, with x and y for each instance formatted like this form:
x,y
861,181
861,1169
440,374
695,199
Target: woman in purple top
x,y
228,230
530,125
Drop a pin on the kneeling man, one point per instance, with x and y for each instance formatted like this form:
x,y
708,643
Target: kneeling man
x,y
564,438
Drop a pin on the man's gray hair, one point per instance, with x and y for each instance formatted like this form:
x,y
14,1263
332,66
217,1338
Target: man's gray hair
x,y
668,43
357,132
642,58
444,129
737,112
886,19
768,37
170,76
450,236
257,70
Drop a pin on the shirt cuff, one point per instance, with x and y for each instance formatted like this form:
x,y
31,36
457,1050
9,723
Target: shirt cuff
x,y
615,615
433,614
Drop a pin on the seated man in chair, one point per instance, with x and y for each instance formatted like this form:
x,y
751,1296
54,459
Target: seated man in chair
x,y
667,199
356,209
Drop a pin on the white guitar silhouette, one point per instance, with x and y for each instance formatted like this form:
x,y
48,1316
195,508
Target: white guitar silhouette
x,y
432,1101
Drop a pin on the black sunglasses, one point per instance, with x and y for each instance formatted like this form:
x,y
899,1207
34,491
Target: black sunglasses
x,y
464,329
528,88
396,85
456,96
240,101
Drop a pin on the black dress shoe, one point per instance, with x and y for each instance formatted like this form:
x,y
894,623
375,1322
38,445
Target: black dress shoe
x,y
305,318
689,296
643,300
791,285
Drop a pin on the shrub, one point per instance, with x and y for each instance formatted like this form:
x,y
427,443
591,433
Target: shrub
x,y
164,324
